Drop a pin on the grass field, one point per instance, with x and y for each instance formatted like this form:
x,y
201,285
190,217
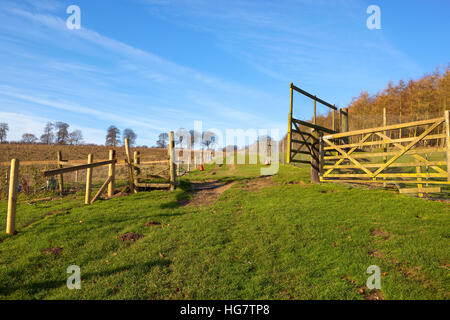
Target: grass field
x,y
251,238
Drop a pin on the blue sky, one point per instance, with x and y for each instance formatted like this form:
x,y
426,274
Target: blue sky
x,y
156,65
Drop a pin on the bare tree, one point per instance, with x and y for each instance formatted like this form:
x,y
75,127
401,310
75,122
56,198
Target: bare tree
x,y
29,138
196,137
112,136
48,136
75,137
130,135
209,139
4,128
62,133
163,139
182,137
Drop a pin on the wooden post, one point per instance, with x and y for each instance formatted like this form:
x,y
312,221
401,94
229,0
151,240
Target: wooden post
x,y
12,198
315,157
333,125
322,154
189,161
130,165
419,179
344,123
384,145
61,179
289,134
137,161
87,198
112,173
315,115
172,172
447,138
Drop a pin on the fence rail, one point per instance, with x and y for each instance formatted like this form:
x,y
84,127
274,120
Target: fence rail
x,y
339,155
134,165
350,162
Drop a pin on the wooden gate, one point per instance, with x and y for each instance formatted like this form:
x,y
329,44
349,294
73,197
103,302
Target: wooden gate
x,y
374,156
303,143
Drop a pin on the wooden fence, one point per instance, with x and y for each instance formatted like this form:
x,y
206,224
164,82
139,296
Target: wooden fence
x,y
134,165
401,161
372,155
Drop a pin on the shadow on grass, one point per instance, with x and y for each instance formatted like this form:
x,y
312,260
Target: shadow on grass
x,y
39,286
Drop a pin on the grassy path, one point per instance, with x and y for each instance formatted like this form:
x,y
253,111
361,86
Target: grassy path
x,y
277,238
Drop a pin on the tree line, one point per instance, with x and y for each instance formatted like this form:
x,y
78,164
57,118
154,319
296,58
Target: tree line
x,y
54,133
184,138
58,134
425,98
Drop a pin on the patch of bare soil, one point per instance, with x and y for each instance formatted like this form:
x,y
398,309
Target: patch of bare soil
x,y
380,233
445,265
206,192
374,294
56,251
376,254
300,182
153,223
130,237
258,183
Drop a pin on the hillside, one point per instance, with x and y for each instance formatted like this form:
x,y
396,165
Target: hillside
x,y
249,238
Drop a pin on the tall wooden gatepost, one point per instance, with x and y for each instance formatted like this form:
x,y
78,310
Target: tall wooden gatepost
x,y
308,135
170,149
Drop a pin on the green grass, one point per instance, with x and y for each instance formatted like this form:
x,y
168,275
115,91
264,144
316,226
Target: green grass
x,y
289,240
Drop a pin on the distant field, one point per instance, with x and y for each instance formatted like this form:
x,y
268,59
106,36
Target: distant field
x,y
250,238
38,152
32,174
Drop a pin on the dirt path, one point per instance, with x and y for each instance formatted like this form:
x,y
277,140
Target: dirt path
x,y
206,192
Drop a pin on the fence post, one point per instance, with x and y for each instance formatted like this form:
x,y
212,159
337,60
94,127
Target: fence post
x,y
447,138
61,179
344,123
87,198
130,165
112,173
289,134
137,161
189,161
171,162
384,145
315,111
333,126
12,197
315,156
